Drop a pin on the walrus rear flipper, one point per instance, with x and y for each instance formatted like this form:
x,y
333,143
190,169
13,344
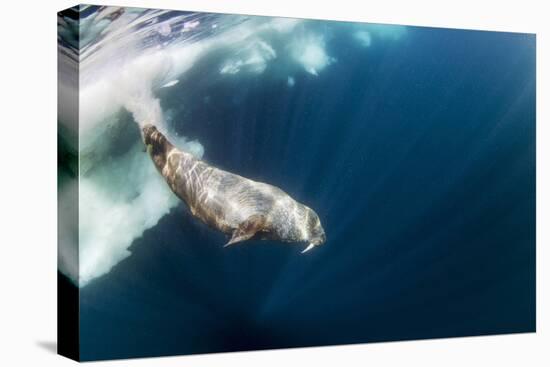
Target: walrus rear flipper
x,y
247,229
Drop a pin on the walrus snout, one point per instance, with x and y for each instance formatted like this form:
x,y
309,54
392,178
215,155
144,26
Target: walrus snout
x,y
322,238
318,238
316,233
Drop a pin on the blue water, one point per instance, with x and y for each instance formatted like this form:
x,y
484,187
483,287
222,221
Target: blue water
x,y
419,158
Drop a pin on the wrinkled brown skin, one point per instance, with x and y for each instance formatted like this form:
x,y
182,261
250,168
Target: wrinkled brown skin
x,y
232,204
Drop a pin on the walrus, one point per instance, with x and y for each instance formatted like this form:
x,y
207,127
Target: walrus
x,y
235,205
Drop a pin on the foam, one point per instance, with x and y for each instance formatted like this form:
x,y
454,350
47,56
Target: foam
x,y
253,58
363,38
190,25
309,50
121,197
290,81
115,209
171,83
164,29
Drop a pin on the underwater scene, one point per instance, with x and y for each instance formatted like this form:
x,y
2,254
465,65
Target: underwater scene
x,y
248,182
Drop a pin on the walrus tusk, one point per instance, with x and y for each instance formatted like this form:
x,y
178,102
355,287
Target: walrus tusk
x,y
311,245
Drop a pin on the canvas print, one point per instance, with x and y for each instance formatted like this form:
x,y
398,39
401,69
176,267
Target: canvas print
x,y
235,182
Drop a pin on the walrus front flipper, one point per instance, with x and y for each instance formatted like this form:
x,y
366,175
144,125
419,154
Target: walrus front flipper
x,y
247,229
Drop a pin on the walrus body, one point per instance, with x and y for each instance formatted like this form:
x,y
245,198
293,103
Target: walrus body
x,y
235,205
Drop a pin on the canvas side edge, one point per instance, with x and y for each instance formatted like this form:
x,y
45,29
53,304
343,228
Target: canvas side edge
x,y
68,331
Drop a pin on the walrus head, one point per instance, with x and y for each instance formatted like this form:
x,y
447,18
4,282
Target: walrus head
x,y
315,234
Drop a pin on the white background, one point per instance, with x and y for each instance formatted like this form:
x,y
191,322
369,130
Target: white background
x,y
28,184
